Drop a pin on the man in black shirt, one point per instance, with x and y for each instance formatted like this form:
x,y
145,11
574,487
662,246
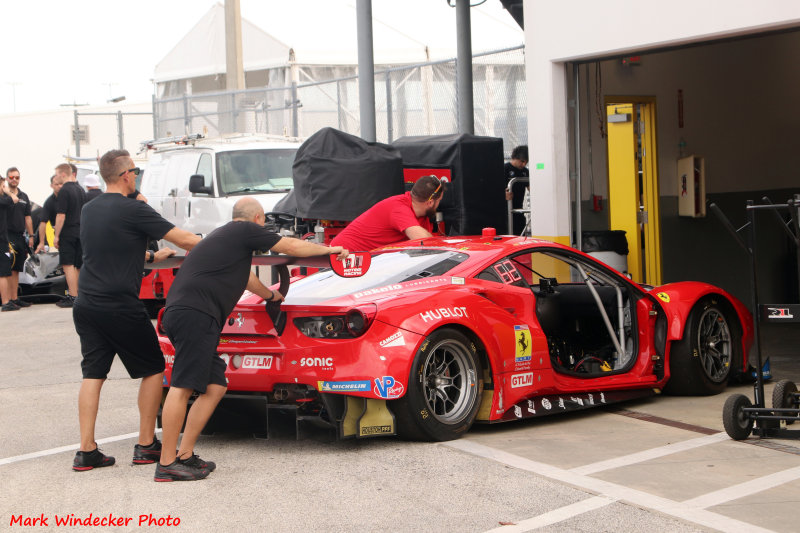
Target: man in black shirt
x,y
19,221
48,213
92,184
109,317
517,168
67,230
7,201
206,289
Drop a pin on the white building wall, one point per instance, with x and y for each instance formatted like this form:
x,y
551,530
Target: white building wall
x,y
38,141
557,32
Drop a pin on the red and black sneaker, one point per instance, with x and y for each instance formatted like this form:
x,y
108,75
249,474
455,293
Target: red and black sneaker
x,y
147,455
195,461
87,460
177,471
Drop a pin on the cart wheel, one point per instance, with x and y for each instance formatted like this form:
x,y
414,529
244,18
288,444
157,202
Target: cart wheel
x,y
738,426
782,396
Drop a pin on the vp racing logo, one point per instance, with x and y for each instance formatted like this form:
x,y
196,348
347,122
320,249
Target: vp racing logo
x,y
387,387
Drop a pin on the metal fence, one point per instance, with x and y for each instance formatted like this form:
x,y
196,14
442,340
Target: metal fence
x,y
410,100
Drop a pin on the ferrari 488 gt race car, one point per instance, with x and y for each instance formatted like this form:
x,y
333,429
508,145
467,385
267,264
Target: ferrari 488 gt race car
x,y
442,333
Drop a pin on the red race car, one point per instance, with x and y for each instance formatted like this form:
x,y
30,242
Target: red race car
x,y
438,334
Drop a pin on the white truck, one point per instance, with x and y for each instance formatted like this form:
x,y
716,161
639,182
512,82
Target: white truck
x,y
193,182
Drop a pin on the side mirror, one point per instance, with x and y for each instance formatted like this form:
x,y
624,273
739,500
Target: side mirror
x,y
197,185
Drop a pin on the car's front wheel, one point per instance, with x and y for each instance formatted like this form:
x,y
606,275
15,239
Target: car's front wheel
x,y
444,389
701,362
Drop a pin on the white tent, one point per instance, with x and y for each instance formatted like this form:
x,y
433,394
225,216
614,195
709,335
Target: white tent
x,y
322,33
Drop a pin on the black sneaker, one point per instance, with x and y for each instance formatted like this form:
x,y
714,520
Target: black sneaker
x,y
178,471
147,455
10,306
67,301
87,460
21,303
196,462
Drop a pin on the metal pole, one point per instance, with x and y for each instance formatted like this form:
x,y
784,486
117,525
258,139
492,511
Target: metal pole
x,y
155,118
120,131
366,70
389,125
77,134
466,112
295,124
578,191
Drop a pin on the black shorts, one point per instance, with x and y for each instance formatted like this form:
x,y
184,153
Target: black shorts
x,y
69,251
129,333
20,249
195,336
6,258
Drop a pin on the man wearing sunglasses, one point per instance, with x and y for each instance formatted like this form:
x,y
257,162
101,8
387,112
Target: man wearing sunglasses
x,y
67,231
108,315
397,218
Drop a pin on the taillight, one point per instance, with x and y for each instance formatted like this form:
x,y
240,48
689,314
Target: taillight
x,y
350,325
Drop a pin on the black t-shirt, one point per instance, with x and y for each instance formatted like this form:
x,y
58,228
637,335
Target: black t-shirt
x,y
69,202
513,172
114,232
5,207
91,194
214,274
49,208
17,214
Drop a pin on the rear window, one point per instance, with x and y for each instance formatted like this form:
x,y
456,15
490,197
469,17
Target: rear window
x,y
386,269
246,171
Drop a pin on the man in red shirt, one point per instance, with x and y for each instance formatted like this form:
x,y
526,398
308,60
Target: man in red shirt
x,y
397,218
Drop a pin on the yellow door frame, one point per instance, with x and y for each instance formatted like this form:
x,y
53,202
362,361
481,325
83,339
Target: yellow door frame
x,y
625,193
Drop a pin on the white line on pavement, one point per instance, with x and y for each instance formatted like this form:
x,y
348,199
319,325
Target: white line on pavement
x,y
744,489
611,490
68,448
653,453
555,516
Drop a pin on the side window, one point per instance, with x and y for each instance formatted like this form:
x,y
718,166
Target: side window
x,y
504,271
182,166
205,168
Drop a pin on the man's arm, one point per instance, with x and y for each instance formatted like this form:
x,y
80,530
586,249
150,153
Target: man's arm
x,y
42,236
255,286
60,217
185,239
29,228
301,248
417,232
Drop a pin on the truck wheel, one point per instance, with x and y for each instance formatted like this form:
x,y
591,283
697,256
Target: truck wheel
x,y
444,389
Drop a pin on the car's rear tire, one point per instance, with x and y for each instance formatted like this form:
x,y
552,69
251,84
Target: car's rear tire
x,y
700,363
444,389
738,426
782,396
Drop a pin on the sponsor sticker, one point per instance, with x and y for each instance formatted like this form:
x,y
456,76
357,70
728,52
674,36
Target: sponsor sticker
x,y
663,296
388,288
169,359
522,336
457,281
257,362
395,339
344,386
522,380
444,312
777,313
354,265
388,387
376,430
317,362
546,404
517,411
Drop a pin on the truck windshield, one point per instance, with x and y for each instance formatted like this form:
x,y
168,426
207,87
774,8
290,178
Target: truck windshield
x,y
387,269
247,171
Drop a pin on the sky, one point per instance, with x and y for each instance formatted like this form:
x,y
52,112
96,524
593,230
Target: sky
x,y
60,53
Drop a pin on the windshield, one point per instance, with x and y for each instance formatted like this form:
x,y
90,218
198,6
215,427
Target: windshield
x,y
267,170
386,269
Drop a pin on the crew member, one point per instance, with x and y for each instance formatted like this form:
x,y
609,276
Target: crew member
x,y
207,287
67,230
108,315
19,222
520,195
7,201
92,184
397,218
48,213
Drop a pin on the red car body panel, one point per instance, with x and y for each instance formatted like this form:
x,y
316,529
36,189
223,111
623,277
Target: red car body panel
x,y
499,318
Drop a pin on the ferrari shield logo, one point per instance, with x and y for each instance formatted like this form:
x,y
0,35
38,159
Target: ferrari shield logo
x,y
522,336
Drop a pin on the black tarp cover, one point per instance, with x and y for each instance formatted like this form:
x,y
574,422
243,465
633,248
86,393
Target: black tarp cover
x,y
338,176
476,197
